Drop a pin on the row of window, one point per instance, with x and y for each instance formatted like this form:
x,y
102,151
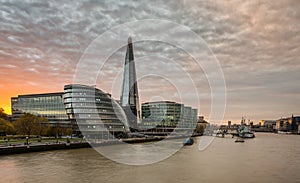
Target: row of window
x,y
107,111
88,105
43,99
95,116
82,90
83,99
42,107
163,107
85,94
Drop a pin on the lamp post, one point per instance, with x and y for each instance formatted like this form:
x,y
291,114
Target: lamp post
x,y
26,143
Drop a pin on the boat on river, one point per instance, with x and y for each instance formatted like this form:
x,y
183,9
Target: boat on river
x,y
188,141
245,132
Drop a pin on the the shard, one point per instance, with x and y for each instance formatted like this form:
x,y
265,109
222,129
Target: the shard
x,y
130,96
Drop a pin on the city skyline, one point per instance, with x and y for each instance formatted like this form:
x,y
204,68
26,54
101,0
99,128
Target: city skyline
x,y
257,45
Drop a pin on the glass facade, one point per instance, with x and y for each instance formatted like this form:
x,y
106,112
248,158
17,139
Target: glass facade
x,y
189,117
194,116
48,105
129,97
168,114
94,113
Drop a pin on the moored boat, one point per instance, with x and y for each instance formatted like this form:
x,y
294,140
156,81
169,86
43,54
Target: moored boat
x,y
244,132
188,141
248,135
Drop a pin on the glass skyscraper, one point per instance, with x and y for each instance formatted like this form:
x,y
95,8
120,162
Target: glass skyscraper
x,y
129,97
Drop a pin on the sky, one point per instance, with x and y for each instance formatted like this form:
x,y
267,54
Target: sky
x,y
257,44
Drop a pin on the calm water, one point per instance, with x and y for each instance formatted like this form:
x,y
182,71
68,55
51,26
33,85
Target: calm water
x,y
267,158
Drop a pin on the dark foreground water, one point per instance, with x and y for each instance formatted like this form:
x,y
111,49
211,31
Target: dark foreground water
x,y
267,158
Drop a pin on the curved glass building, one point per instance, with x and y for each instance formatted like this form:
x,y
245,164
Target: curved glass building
x,y
93,113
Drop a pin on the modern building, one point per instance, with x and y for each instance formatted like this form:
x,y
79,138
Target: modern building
x,y
161,113
94,113
168,114
187,117
194,116
129,99
48,105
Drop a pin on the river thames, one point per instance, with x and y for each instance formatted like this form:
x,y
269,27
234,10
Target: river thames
x,y
266,158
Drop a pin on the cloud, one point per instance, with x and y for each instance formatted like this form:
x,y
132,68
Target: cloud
x,y
256,42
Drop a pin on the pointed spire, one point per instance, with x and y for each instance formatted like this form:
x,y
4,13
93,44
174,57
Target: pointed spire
x,y
130,97
129,40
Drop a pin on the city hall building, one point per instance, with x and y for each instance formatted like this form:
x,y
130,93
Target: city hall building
x,y
94,113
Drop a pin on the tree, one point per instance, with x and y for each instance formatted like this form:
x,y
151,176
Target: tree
x,y
29,124
6,127
42,126
58,130
67,131
25,124
3,115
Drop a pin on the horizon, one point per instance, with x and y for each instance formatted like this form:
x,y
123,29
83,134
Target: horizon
x,y
236,121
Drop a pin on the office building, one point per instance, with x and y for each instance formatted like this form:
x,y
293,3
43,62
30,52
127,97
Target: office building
x,y
187,117
168,114
129,97
161,113
48,105
194,116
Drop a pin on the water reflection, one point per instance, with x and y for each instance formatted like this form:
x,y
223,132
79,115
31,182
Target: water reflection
x,y
267,158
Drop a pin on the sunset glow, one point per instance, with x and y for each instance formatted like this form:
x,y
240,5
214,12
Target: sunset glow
x,y
256,43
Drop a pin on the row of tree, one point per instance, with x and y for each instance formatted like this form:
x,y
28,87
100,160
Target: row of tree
x,y
29,124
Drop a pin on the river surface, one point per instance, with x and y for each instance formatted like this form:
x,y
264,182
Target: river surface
x,y
266,158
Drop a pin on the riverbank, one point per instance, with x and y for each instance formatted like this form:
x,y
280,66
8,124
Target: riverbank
x,y
17,149
41,147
